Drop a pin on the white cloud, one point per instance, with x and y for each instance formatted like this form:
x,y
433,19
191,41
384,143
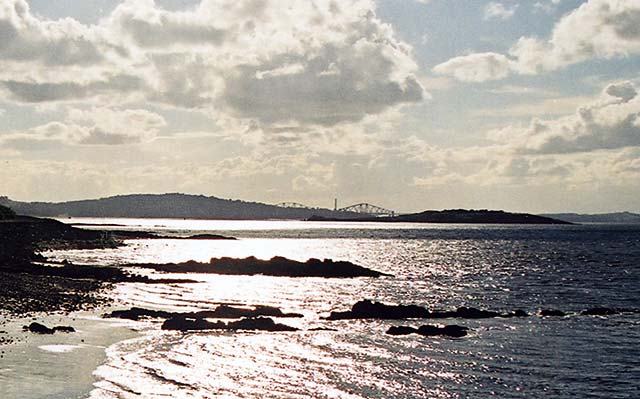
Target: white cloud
x,y
495,10
103,126
318,63
597,29
611,122
476,67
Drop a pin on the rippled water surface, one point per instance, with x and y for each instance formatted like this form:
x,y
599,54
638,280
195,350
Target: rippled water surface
x,y
570,268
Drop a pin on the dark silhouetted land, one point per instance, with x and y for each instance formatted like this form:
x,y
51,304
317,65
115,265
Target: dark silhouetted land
x,y
610,218
167,206
455,216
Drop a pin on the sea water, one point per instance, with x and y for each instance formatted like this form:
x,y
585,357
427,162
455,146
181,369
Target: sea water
x,y
568,268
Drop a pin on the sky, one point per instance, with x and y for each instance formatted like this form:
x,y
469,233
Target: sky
x,y
527,106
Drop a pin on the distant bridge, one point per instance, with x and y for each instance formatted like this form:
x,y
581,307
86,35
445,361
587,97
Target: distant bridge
x,y
368,209
362,208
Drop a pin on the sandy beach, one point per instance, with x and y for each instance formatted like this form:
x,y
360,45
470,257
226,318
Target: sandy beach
x,y
60,365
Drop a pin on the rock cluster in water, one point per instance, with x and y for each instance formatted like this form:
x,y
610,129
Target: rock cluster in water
x,y
367,309
221,312
276,266
247,324
250,318
427,330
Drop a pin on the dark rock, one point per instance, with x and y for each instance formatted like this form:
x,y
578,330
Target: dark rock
x,y
551,313
38,328
401,330
367,309
191,324
375,310
208,237
448,331
599,312
515,313
221,312
64,329
322,329
276,266
428,330
259,323
473,313
250,324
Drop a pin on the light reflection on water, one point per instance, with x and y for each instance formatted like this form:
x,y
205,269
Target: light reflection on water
x,y
502,268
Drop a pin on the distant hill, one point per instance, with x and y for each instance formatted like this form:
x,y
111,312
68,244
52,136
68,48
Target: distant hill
x,y
617,217
166,206
482,216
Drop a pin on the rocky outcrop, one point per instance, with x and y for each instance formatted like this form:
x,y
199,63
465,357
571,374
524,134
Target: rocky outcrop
x,y
276,266
38,328
248,324
375,310
427,330
221,312
551,313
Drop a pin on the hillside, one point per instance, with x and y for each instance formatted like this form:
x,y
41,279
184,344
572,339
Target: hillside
x,y
166,206
614,218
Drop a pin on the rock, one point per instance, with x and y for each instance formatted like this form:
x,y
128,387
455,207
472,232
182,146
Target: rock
x,y
375,310
137,313
599,312
221,312
428,330
551,313
208,237
191,324
38,328
473,313
322,329
64,329
259,323
515,313
250,324
367,309
276,266
401,330
447,331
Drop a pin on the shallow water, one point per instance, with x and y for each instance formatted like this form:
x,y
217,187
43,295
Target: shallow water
x,y
440,266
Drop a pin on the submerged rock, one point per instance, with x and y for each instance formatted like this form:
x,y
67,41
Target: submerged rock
x,y
248,324
599,312
551,313
375,310
428,330
276,266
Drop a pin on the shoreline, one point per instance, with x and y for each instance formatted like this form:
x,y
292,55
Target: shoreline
x,y
61,365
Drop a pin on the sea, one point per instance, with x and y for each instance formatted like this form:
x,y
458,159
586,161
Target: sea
x,y
495,267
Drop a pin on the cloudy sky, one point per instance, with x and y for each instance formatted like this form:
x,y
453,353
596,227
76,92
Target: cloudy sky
x,y
408,104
